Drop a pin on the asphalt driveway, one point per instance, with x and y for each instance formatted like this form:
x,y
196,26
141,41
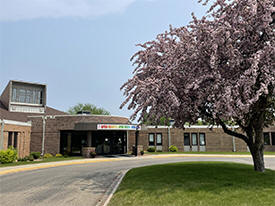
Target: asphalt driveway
x,y
84,184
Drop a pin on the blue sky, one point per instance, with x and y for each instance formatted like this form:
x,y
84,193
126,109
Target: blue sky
x,y
81,48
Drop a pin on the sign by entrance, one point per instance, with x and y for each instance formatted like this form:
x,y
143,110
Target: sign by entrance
x,y
117,127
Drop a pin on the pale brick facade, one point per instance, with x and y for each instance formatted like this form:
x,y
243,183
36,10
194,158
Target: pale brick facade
x,y
17,135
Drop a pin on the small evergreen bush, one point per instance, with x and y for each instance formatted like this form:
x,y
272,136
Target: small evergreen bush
x,y
151,149
24,159
173,148
36,155
30,157
8,156
142,152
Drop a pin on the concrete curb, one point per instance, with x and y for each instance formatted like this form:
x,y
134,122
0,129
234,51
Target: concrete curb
x,y
112,189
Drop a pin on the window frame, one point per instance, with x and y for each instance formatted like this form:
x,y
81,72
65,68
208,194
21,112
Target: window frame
x,y
159,144
188,134
272,138
27,95
10,135
149,142
204,135
266,143
15,140
196,139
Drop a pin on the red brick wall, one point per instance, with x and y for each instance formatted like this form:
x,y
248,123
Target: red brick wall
x,y
54,126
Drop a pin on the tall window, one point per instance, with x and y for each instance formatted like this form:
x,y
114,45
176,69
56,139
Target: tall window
x,y
151,139
27,95
273,138
159,139
10,139
266,138
202,139
194,139
15,140
186,139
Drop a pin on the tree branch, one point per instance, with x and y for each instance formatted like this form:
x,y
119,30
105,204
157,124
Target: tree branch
x,y
230,132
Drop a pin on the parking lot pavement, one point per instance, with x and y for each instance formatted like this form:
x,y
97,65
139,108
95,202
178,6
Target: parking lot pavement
x,y
84,183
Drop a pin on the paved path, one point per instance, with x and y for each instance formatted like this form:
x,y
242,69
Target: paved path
x,y
75,183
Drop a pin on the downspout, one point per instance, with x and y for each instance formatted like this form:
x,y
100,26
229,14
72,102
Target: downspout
x,y
169,137
2,133
43,134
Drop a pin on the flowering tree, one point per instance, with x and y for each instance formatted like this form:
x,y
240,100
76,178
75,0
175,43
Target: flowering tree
x,y
219,68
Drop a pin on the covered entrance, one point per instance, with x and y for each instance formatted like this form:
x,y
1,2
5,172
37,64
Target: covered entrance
x,y
105,142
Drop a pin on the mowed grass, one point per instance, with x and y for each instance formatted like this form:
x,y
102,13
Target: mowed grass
x,y
50,159
196,183
221,153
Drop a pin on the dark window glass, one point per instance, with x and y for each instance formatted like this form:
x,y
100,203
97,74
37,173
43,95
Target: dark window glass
x,y
41,97
15,140
194,139
10,139
273,138
186,139
159,139
151,139
202,139
266,138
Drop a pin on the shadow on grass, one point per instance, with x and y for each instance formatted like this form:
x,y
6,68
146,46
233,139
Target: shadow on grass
x,y
200,183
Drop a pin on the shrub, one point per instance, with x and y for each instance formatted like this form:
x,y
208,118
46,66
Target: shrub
x,y
8,156
58,155
151,149
30,157
159,150
36,155
47,155
92,154
24,159
173,148
142,152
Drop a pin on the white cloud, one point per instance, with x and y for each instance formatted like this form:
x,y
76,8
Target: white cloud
x,y
14,10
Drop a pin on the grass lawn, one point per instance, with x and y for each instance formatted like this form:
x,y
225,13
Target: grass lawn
x,y
226,153
196,183
51,159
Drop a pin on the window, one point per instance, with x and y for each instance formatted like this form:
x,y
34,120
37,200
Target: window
x,y
15,140
14,94
27,95
266,138
194,139
10,139
273,138
202,139
186,139
151,139
159,139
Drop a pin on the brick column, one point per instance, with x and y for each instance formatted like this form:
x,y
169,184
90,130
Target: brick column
x,y
89,139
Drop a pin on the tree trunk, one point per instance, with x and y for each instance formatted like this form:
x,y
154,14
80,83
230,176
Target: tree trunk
x,y
257,152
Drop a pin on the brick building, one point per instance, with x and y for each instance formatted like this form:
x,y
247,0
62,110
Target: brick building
x,y
18,101
29,125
